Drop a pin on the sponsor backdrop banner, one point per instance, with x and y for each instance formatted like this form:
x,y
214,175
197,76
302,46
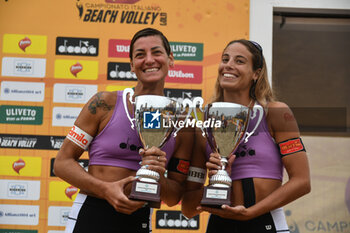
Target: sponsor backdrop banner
x,y
56,55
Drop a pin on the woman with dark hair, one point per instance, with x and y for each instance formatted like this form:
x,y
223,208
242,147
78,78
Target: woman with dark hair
x,y
256,168
116,153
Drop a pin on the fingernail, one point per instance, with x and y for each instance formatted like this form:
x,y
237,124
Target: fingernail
x,y
140,163
141,150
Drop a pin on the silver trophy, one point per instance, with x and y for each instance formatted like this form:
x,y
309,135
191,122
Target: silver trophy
x,y
153,117
224,140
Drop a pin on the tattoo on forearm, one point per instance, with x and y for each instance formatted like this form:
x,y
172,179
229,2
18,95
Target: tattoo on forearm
x,y
98,102
288,117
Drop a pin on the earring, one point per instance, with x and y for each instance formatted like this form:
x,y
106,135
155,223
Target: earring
x,y
252,90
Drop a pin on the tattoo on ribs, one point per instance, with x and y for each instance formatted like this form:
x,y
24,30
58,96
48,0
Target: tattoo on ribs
x,y
98,102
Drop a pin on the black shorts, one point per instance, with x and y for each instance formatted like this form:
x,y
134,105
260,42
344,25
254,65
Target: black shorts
x,y
272,222
94,215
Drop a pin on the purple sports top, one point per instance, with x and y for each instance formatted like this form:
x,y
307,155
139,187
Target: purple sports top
x,y
118,144
259,157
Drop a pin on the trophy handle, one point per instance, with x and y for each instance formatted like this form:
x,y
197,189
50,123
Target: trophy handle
x,y
183,104
200,102
261,113
125,94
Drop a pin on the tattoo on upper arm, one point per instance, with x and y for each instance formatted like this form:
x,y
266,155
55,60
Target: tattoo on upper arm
x,y
288,117
98,102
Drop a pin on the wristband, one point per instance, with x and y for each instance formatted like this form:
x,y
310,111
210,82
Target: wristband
x,y
197,174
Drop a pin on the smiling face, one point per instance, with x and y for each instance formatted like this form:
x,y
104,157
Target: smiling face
x,y
150,61
236,68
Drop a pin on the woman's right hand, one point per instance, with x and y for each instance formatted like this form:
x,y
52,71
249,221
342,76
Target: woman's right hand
x,y
115,195
214,163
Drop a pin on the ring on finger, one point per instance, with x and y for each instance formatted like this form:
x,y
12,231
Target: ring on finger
x,y
158,158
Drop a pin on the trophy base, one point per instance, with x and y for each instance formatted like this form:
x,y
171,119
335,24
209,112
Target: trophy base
x,y
215,197
146,191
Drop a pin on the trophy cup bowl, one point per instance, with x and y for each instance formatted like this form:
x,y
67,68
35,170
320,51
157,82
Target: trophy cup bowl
x,y
225,140
151,114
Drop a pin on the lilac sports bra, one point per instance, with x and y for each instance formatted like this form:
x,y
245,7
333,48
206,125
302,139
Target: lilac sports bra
x,y
259,157
118,144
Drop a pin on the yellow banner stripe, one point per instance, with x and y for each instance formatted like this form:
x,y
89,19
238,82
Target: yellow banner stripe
x,y
117,87
61,191
31,166
37,44
89,69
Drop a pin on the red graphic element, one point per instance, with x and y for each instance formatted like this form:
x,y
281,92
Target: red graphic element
x,y
76,68
122,1
24,43
183,166
118,48
18,165
291,146
185,74
70,191
80,138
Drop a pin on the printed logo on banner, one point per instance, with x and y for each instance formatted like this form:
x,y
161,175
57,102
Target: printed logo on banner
x,y
23,67
182,93
19,214
24,115
118,48
62,191
73,93
187,51
168,219
22,231
64,116
84,163
24,166
58,215
184,74
122,1
77,46
20,189
123,14
24,44
72,69
37,142
22,91
120,71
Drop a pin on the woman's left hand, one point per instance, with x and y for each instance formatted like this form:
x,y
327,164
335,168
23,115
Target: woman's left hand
x,y
238,212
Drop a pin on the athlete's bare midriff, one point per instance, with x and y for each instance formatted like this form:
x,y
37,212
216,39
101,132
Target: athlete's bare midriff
x,y
263,187
110,174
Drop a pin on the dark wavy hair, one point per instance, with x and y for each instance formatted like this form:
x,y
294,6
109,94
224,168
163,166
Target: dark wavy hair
x,y
149,32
